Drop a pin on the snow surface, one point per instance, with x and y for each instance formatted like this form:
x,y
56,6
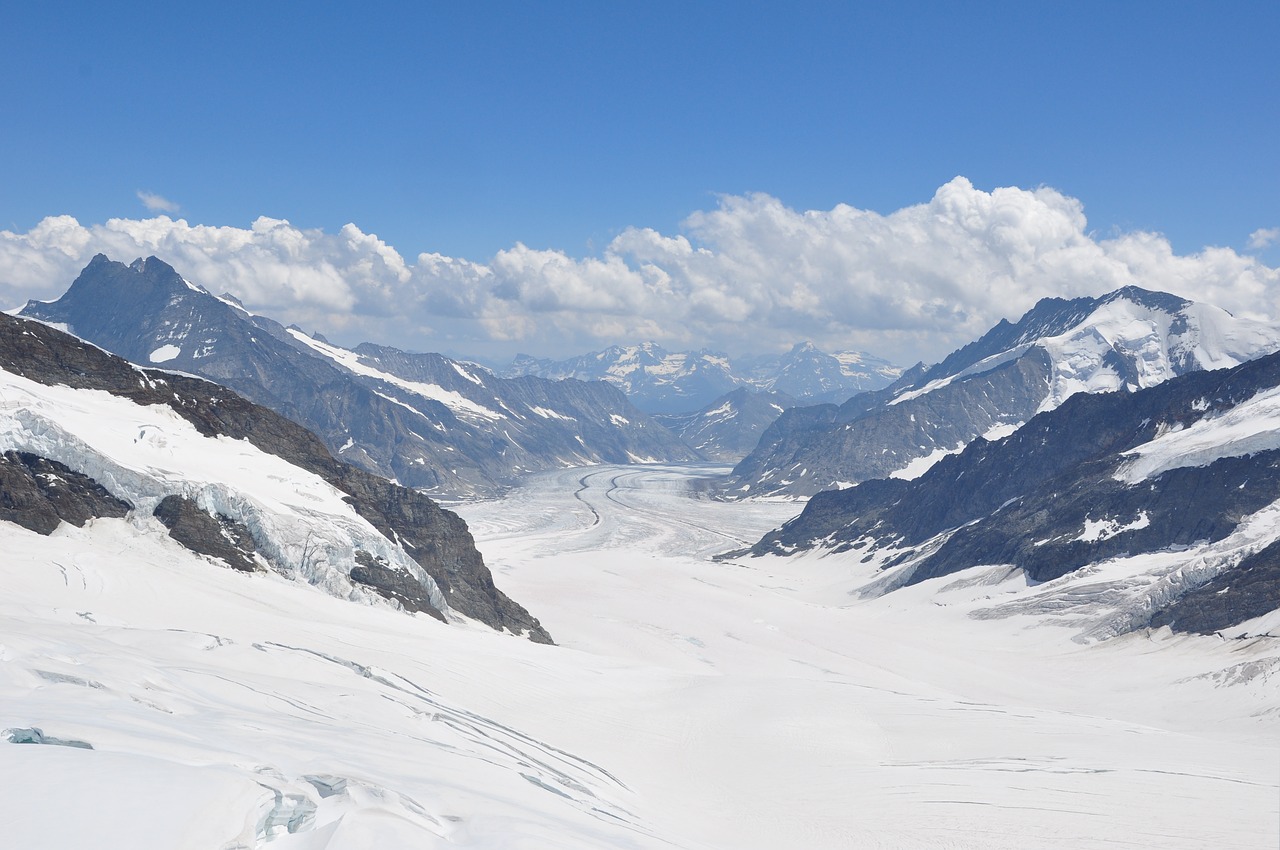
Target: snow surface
x,y
546,413
303,526
164,353
919,466
1247,428
691,704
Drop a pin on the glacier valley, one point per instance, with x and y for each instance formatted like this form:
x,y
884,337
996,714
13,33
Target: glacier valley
x,y
152,699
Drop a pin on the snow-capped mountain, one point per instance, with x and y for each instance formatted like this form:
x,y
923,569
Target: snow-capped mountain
x,y
152,699
424,420
1112,511
1126,340
86,434
809,374
661,381
729,427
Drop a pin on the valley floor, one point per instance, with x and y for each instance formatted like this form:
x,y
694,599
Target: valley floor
x,y
690,703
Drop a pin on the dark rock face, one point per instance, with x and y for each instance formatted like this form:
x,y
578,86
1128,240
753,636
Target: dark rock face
x,y
1250,590
1028,500
809,448
727,429
438,540
583,421
146,313
216,536
40,494
393,583
1001,379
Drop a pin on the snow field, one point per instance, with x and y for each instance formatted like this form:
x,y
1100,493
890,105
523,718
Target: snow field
x,y
691,704
805,716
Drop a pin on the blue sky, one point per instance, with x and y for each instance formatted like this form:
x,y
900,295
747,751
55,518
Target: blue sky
x,y
466,128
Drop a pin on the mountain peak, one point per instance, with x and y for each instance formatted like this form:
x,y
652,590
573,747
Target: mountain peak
x,y
1125,340
1155,300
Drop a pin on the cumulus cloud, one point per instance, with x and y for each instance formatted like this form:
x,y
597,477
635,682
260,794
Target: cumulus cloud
x,y
1264,238
156,203
750,275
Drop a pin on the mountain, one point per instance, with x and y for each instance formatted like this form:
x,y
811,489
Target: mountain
x,y
86,434
727,429
808,374
424,420
654,379
1116,510
660,381
1127,339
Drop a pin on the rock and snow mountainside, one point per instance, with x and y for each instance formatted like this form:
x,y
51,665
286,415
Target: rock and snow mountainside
x,y
86,434
659,381
811,375
426,421
1126,340
1116,510
727,429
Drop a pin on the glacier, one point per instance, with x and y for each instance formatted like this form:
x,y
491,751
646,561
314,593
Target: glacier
x,y
691,703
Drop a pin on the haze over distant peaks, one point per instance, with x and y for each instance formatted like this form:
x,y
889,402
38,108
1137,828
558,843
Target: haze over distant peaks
x,y
661,381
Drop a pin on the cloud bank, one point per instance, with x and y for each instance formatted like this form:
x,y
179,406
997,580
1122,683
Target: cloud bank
x,y
748,276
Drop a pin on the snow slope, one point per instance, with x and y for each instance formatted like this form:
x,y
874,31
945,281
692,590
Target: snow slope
x,y
304,526
692,704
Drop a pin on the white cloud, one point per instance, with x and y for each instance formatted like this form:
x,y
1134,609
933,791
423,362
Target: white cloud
x,y
751,274
1264,237
156,203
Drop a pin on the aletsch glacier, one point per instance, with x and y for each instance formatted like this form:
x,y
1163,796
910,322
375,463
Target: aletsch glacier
x,y
750,702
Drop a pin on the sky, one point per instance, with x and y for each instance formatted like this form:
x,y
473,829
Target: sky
x,y
486,179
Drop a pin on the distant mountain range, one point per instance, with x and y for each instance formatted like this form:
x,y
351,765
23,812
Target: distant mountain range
x,y
1109,513
1125,340
661,381
85,434
426,421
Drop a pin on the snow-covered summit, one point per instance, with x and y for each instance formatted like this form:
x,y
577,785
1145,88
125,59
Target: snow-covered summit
x,y
1126,340
1129,339
1109,513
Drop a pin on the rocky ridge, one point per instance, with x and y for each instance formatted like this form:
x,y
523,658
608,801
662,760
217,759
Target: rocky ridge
x,y
1169,495
426,421
1125,340
435,554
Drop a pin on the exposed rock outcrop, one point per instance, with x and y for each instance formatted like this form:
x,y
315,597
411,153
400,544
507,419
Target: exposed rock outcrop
x,y
214,535
40,494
